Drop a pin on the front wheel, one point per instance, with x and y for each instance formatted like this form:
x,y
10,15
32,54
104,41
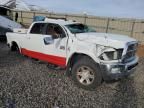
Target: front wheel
x,y
86,74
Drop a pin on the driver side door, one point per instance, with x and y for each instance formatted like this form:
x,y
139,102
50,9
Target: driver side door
x,y
56,50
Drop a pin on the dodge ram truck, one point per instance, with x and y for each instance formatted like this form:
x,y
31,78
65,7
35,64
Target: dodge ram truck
x,y
89,57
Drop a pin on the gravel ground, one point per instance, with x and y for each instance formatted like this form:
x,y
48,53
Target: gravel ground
x,y
26,83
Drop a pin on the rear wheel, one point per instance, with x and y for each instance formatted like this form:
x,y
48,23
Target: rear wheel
x,y
14,47
86,74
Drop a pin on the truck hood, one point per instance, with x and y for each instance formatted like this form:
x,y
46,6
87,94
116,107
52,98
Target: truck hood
x,y
105,39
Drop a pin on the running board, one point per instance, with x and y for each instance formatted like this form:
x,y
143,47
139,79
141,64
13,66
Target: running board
x,y
54,67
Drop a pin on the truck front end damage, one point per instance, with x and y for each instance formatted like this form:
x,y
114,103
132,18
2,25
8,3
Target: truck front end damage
x,y
118,63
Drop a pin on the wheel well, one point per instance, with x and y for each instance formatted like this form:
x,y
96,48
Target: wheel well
x,y
72,60
14,46
14,43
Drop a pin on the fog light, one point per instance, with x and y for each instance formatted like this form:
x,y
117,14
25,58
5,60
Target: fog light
x,y
116,70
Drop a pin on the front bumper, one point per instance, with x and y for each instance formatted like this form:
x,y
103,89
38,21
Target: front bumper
x,y
116,71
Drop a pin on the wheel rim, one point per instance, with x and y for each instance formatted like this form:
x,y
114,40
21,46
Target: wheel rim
x,y
85,75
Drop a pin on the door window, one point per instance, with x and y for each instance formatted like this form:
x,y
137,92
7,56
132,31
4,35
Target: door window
x,y
55,31
38,28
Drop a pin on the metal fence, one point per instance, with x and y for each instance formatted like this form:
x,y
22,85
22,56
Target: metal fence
x,y
131,27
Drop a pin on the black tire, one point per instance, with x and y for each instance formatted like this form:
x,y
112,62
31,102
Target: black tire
x,y
94,68
14,47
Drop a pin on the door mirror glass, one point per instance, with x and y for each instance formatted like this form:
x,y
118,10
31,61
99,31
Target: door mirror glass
x,y
48,40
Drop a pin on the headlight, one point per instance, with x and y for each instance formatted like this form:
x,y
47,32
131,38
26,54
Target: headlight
x,y
108,53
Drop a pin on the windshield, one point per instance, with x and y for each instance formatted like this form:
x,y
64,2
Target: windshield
x,y
79,28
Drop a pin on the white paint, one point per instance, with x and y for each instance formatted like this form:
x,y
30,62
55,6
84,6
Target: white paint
x,y
84,43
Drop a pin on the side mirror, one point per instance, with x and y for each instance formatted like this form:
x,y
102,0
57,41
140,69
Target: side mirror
x,y
48,40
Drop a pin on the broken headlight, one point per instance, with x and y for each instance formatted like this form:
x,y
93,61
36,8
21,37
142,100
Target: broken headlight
x,y
109,53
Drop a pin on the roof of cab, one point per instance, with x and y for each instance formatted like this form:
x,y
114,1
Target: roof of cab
x,y
57,21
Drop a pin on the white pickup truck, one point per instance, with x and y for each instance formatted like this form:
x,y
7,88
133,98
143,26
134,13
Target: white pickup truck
x,y
89,57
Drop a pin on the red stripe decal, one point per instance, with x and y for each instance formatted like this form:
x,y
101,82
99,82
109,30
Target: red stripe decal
x,y
61,61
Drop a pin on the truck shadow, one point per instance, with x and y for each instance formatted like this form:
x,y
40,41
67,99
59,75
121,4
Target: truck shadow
x,y
8,58
125,95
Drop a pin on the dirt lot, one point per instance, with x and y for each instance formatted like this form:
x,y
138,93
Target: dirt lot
x,y
25,83
140,51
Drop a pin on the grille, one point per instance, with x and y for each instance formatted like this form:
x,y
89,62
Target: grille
x,y
131,52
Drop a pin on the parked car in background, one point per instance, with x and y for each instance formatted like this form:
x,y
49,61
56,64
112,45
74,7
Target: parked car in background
x,y
7,25
6,22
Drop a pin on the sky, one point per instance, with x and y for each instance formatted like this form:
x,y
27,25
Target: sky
x,y
108,8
